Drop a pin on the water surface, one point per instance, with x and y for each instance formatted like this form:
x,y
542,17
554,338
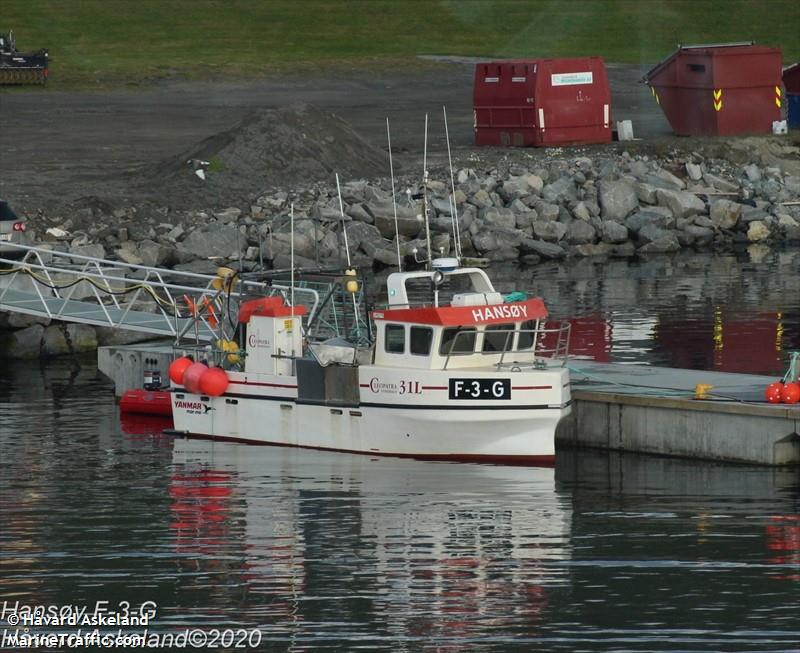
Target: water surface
x,y
336,552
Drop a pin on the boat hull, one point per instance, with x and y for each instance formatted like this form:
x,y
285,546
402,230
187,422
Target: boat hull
x,y
503,434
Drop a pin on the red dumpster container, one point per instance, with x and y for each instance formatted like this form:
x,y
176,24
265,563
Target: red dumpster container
x,y
719,90
542,102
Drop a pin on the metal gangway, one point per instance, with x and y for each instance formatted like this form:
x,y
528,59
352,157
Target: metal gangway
x,y
87,290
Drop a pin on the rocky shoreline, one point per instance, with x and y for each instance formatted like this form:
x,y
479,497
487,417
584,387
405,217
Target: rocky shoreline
x,y
521,208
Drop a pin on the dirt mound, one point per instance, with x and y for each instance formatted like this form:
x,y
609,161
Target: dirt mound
x,y
295,146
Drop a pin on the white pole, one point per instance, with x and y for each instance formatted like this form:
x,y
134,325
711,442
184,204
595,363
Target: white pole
x,y
341,213
291,257
394,201
454,210
425,195
347,251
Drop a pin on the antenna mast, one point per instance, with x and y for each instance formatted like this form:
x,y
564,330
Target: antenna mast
x,y
394,201
454,210
350,272
291,263
341,214
425,194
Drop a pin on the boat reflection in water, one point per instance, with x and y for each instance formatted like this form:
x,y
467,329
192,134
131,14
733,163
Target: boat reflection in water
x,y
422,548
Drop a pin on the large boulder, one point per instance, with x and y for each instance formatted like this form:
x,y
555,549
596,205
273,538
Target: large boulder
x,y
792,184
667,177
667,242
214,240
757,231
592,249
650,233
580,232
480,199
358,212
562,189
409,221
546,210
522,185
550,230
484,241
94,250
25,343
303,243
59,339
542,248
613,232
719,183
361,232
725,214
657,215
680,203
153,254
499,217
617,199
702,235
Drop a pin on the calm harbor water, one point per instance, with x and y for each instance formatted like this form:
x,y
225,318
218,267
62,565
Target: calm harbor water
x,y
336,552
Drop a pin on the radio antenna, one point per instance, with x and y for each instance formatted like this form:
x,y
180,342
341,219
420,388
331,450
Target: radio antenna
x,y
341,214
394,200
291,257
425,194
453,209
350,272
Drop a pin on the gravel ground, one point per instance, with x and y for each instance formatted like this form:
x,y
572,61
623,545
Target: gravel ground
x,y
56,147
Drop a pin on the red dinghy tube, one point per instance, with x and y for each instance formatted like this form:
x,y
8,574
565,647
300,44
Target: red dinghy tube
x,y
146,402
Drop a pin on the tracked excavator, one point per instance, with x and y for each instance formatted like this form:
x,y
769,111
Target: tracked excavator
x,y
21,67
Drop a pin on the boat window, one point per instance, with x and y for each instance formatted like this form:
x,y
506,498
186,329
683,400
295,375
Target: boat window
x,y
420,339
526,335
395,339
452,343
498,337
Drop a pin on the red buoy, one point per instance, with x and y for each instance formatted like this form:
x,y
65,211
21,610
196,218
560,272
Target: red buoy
x,y
191,378
790,393
178,367
215,381
773,393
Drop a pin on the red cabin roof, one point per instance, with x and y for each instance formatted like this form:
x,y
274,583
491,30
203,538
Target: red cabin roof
x,y
272,306
532,309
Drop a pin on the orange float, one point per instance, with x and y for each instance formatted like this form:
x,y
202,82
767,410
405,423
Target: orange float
x,y
215,381
178,368
790,394
773,392
191,378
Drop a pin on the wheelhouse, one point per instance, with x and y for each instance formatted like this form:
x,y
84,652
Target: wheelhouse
x,y
462,322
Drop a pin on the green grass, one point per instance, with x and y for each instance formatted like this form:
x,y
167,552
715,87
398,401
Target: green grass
x,y
130,41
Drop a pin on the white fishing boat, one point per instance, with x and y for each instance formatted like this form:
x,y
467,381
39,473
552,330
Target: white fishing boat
x,y
461,375
448,368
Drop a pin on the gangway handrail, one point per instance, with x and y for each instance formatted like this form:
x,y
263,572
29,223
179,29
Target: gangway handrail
x,y
120,264
95,273
105,277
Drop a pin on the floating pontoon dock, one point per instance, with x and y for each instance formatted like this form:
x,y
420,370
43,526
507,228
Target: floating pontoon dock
x,y
647,409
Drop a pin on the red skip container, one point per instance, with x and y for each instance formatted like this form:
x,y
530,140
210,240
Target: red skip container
x,y
542,102
719,90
